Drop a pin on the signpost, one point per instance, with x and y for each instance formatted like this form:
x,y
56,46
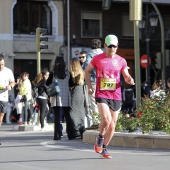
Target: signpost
x,y
144,61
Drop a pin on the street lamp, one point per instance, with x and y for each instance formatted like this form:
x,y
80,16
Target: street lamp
x,y
147,27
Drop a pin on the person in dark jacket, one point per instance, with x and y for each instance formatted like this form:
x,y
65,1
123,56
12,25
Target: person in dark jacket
x,y
42,99
60,103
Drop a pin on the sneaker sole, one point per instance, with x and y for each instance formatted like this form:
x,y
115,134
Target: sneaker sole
x,y
106,157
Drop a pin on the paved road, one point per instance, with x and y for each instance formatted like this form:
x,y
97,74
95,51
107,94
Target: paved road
x,y
37,151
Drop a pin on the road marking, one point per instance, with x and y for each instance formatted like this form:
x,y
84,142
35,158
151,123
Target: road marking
x,y
28,167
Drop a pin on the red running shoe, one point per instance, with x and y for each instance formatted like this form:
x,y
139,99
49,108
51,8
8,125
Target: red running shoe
x,y
105,154
98,147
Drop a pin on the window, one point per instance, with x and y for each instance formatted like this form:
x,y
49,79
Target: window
x,y
91,25
21,66
127,27
28,15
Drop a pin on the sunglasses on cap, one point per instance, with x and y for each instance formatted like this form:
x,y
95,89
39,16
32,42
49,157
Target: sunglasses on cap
x,y
112,46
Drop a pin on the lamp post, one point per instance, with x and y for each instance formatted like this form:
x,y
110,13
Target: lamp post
x,y
162,41
147,26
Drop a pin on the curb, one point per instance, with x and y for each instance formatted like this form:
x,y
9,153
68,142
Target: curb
x,y
131,140
31,128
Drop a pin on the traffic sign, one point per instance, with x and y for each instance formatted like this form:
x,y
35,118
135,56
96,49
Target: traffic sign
x,y
144,61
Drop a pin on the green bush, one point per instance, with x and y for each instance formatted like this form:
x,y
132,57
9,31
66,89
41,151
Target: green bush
x,y
153,114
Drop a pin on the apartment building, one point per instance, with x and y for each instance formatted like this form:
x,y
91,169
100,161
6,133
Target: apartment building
x,y
19,20
72,24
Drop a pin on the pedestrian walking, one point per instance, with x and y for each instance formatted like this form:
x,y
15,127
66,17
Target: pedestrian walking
x,y
7,82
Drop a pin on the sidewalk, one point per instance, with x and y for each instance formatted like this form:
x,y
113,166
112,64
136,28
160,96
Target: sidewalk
x,y
48,127
131,140
17,127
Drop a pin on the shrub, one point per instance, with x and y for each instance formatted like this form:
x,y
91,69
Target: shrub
x,y
153,114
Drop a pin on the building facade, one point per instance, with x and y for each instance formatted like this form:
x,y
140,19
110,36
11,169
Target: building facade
x,y
71,25
19,19
89,20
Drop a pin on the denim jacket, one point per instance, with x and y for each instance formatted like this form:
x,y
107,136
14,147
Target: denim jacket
x,y
89,57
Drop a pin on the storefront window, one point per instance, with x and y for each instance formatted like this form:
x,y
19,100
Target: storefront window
x,y
28,15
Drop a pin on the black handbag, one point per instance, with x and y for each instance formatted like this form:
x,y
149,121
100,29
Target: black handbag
x,y
53,89
23,98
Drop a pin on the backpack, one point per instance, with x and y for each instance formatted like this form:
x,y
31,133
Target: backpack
x,y
35,90
129,96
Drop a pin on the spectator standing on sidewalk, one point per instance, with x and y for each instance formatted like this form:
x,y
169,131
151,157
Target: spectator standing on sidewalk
x,y
95,50
158,91
88,118
129,100
75,118
168,86
42,99
26,90
109,67
61,102
82,58
7,82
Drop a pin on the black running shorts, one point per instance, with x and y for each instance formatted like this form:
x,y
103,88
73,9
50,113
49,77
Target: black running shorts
x,y
115,105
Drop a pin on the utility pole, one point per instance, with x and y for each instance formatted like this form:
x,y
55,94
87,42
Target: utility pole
x,y
136,16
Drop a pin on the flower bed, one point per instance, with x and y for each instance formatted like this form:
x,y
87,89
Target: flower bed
x,y
153,115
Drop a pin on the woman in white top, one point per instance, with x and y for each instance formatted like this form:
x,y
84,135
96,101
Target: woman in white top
x,y
157,90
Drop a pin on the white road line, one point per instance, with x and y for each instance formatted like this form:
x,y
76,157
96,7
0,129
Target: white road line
x,y
28,167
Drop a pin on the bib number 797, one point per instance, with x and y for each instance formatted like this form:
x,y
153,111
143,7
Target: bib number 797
x,y
107,84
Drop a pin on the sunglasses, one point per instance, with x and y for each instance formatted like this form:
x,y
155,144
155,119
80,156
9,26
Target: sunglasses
x,y
81,57
112,46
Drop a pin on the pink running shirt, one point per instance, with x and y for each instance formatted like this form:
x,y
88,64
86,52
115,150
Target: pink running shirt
x,y
108,72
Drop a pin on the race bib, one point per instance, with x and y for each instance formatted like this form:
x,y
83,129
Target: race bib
x,y
107,84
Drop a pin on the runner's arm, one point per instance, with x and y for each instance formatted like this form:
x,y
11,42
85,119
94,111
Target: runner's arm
x,y
127,77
